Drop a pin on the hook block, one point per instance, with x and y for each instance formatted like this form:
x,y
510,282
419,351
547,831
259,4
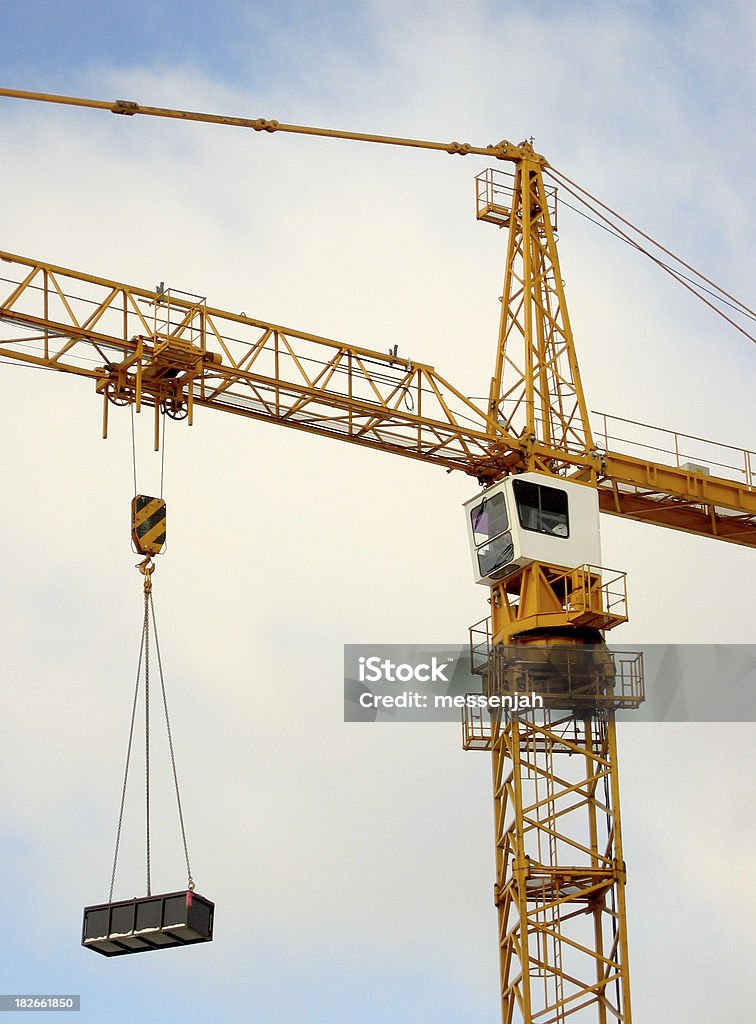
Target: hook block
x,y
148,524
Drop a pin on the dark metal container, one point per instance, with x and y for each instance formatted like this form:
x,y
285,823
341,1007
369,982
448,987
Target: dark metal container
x,y
152,922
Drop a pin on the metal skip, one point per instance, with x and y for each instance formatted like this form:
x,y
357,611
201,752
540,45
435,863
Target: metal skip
x,y
153,922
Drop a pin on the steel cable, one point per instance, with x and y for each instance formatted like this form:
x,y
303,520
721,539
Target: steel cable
x,y
170,746
128,759
692,287
147,594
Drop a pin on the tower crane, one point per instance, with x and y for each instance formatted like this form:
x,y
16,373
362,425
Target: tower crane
x,y
533,530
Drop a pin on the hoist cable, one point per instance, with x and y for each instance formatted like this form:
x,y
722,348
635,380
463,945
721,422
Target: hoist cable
x,y
133,450
170,747
126,770
162,455
147,729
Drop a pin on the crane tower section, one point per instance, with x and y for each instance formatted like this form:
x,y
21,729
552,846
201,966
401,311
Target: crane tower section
x,y
534,540
536,393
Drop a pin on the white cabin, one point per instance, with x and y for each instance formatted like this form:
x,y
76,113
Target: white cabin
x,y
532,518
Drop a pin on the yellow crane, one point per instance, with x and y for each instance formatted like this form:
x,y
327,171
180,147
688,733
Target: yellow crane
x,y
560,872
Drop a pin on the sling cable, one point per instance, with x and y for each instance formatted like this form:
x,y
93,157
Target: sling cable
x,y
153,921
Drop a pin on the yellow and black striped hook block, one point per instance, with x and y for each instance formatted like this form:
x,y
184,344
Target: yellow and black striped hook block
x,y
148,524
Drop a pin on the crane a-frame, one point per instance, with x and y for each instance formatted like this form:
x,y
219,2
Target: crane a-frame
x,y
171,353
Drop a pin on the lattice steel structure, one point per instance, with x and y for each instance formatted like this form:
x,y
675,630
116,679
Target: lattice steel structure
x,y
560,872
535,392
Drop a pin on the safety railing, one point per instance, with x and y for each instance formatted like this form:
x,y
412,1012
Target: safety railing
x,y
494,190
684,451
560,675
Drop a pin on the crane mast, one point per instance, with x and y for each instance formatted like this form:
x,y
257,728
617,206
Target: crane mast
x,y
560,873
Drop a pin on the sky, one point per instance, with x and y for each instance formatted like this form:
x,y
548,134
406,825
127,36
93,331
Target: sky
x,y
352,865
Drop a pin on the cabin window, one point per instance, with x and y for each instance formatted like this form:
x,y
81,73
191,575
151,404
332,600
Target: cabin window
x,y
494,559
542,509
493,541
489,518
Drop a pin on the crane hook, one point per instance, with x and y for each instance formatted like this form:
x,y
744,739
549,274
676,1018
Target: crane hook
x,y
147,567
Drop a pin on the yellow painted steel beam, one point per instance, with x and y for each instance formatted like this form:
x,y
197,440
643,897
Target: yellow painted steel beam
x,y
669,496
152,347
499,151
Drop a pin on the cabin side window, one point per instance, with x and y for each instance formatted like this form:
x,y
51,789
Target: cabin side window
x,y
493,541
